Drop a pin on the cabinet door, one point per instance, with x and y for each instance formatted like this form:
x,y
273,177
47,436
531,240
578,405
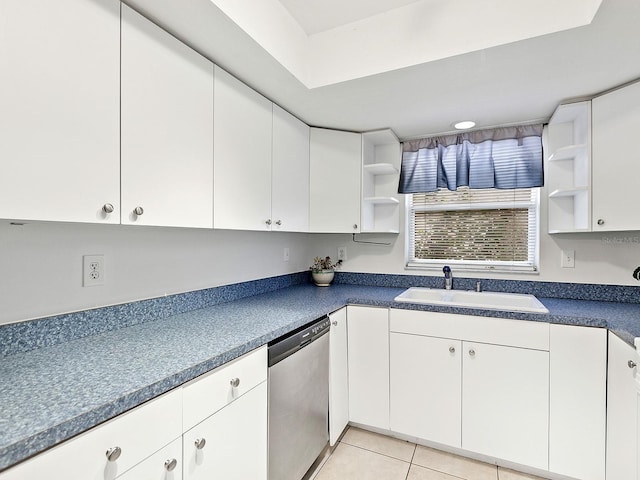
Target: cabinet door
x,y
505,403
368,358
165,464
577,401
334,202
235,441
60,110
167,128
616,119
242,130
622,429
338,376
425,387
290,173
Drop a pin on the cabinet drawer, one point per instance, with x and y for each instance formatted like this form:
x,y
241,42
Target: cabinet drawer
x,y
138,433
209,393
498,331
165,464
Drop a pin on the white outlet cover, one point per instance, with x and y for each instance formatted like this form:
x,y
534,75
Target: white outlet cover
x,y
93,270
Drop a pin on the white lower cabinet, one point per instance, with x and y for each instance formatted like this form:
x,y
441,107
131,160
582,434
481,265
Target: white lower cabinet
x,y
109,450
505,403
425,386
368,358
476,383
577,401
232,443
622,411
225,418
338,376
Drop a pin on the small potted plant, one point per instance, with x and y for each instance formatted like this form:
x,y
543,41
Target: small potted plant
x,y
323,271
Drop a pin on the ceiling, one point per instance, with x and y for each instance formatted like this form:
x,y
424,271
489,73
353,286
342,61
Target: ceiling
x,y
316,16
509,82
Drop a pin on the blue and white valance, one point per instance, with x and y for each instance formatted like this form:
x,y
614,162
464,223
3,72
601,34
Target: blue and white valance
x,y
504,158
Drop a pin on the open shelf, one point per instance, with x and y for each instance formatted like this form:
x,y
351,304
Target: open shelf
x,y
381,158
569,152
568,175
568,192
380,169
381,200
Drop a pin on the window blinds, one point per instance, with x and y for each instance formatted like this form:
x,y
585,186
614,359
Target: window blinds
x,y
484,229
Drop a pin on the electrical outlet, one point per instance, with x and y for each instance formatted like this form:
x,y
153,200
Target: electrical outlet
x,y
285,255
342,253
92,270
568,259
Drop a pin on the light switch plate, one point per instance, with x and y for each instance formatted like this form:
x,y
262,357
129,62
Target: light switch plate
x,y
568,259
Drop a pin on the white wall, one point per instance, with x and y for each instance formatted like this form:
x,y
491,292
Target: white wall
x,y
599,258
41,263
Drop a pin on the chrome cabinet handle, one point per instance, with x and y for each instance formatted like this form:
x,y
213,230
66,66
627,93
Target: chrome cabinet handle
x,y
107,208
632,364
600,221
138,210
200,443
355,226
268,222
472,352
334,323
235,382
113,454
171,464
452,349
279,222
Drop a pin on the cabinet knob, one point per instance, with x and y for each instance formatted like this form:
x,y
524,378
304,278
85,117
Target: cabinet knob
x,y
452,349
113,454
171,464
631,364
334,323
107,208
472,352
268,222
355,226
600,221
235,382
138,210
279,222
200,443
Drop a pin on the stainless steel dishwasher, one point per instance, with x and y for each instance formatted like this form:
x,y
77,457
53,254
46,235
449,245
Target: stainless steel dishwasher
x,y
298,385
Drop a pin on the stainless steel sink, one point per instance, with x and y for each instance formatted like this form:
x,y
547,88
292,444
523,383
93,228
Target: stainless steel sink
x,y
513,302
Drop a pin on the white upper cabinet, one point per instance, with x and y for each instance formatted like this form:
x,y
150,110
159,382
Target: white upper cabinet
x,y
59,110
242,129
290,173
167,128
336,159
616,120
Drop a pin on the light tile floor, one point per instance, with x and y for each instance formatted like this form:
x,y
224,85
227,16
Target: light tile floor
x,y
363,455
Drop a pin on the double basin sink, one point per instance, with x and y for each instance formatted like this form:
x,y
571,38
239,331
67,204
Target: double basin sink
x,y
511,302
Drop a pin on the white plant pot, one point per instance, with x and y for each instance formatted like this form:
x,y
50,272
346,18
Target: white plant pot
x,y
323,278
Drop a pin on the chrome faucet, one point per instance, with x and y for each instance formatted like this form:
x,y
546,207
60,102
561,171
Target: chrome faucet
x,y
448,279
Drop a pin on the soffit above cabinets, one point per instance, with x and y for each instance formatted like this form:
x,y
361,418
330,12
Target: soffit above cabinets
x,y
323,42
354,76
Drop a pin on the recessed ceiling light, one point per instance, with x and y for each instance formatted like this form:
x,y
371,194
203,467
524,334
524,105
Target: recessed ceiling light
x,y
465,125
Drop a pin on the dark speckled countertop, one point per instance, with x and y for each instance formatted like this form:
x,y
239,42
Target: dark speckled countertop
x,y
52,393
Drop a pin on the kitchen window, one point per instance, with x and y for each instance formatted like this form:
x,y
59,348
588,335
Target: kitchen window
x,y
487,229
